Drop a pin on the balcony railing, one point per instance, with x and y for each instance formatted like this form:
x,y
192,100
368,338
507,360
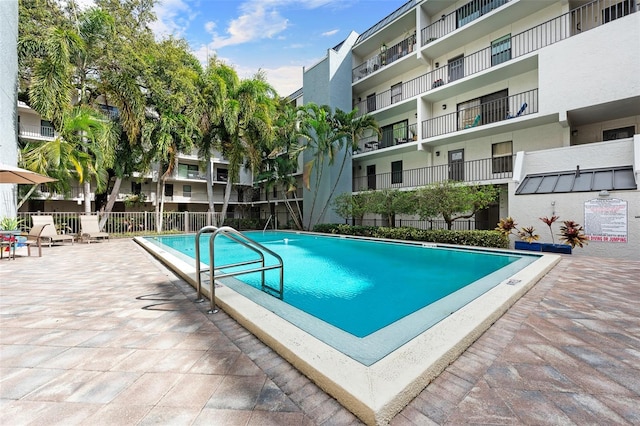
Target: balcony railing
x,y
468,171
38,132
389,137
528,41
389,55
459,18
485,113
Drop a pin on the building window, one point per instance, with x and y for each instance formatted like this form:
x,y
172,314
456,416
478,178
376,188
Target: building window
x,y
136,187
396,93
618,10
168,190
621,133
371,102
186,190
46,128
275,192
502,157
396,171
222,175
188,171
501,50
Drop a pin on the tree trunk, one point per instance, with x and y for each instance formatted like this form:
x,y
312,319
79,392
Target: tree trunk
x,y
225,204
210,185
110,202
87,197
26,197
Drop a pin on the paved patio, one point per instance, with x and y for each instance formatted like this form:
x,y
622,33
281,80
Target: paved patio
x,y
104,334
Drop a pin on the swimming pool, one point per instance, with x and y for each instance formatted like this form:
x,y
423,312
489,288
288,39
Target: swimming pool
x,y
375,375
357,287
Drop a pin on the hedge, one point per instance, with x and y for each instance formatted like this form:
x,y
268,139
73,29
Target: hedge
x,y
443,236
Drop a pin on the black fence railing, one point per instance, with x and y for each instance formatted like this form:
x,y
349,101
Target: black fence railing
x,y
506,108
389,137
509,48
458,18
386,56
462,171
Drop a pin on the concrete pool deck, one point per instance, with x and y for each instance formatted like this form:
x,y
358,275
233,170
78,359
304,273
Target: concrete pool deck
x,y
103,333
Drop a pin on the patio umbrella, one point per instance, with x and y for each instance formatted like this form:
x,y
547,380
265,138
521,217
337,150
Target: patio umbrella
x,y
12,174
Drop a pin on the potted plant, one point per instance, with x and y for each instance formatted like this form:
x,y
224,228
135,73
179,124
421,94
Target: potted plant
x,y
553,247
508,226
528,237
10,229
10,223
573,234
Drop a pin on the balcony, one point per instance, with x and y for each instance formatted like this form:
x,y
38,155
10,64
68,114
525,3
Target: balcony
x,y
459,18
507,108
389,137
508,49
387,56
487,169
37,132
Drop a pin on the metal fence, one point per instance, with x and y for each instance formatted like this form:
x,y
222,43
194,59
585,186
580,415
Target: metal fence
x,y
130,223
468,171
493,111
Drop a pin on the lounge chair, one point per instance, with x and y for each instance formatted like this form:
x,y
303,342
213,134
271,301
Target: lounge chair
x,y
476,121
90,229
50,234
34,237
519,113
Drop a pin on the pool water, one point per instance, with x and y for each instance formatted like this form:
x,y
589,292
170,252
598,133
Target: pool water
x,y
360,286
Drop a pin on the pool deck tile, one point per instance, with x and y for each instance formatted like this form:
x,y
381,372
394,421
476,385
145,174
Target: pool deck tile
x,y
104,334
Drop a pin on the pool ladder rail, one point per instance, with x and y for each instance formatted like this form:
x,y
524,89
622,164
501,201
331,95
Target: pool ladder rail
x,y
245,241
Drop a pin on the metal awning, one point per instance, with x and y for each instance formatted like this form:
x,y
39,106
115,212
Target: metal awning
x,y
610,179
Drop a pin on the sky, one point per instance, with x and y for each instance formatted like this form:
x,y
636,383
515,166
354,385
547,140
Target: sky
x,y
279,37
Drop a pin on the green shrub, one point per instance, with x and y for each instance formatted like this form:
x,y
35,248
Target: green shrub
x,y
442,236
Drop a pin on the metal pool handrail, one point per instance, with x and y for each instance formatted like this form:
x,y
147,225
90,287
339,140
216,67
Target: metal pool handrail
x,y
247,242
199,272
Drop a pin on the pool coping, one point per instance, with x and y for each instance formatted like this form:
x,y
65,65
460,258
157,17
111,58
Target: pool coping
x,y
377,392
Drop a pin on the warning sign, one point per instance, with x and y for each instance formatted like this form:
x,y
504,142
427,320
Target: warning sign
x,y
606,220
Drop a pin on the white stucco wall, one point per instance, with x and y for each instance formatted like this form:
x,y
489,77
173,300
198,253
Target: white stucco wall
x,y
8,99
527,209
584,70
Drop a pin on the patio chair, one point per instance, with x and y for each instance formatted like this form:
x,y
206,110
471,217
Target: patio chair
x,y
519,113
34,237
50,234
476,121
90,229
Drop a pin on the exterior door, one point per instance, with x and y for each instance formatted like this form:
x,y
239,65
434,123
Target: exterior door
x,y
456,165
371,176
456,68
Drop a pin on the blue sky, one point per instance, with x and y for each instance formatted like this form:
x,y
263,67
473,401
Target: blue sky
x,y
277,36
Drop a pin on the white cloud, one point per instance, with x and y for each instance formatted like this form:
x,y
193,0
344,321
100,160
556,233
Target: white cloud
x,y
261,19
329,33
286,79
255,23
173,18
210,26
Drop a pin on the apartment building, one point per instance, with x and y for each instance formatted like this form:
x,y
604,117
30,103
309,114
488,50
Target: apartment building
x,y
541,98
185,189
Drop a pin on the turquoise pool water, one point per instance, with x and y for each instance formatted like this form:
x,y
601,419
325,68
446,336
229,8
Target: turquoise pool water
x,y
362,286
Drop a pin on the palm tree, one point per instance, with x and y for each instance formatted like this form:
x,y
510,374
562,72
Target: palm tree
x,y
353,127
324,140
174,97
246,124
214,84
